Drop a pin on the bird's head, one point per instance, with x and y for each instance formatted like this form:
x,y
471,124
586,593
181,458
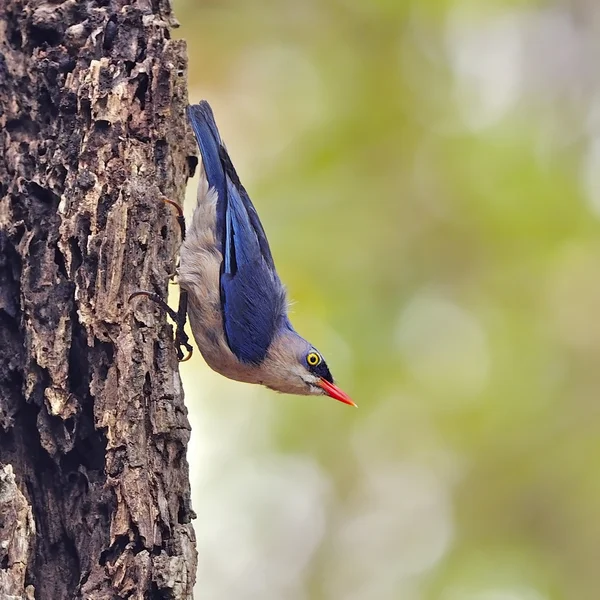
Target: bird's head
x,y
293,366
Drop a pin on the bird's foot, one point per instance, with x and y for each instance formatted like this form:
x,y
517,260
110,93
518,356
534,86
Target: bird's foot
x,y
182,339
179,317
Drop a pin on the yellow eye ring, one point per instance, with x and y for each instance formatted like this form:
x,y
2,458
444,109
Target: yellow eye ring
x,y
313,359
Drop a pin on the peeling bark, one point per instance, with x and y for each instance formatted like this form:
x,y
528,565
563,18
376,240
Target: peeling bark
x,y
92,422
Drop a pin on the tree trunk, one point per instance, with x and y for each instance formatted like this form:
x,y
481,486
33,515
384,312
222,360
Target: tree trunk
x,y
94,486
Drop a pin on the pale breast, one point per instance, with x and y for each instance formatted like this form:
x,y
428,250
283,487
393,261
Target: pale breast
x,y
199,272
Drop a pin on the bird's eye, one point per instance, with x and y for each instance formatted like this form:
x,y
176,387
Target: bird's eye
x,y
313,359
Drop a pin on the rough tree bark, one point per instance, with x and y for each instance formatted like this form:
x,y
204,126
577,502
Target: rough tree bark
x,y
94,486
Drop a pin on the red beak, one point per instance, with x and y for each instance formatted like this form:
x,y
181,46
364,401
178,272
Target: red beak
x,y
335,392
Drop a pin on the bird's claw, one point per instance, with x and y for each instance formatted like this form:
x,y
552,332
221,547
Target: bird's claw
x,y
179,317
180,217
181,339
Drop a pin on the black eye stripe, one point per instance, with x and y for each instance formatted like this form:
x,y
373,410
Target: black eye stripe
x,y
318,368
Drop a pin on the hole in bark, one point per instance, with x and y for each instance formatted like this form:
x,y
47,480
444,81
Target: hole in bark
x,y
59,259
49,110
163,232
15,39
147,385
111,554
70,425
89,447
24,124
79,373
110,33
44,35
101,125
76,256
43,195
129,66
4,563
86,110
165,534
88,451
142,88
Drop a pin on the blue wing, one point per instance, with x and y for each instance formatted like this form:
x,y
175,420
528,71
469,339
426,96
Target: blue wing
x,y
209,141
252,296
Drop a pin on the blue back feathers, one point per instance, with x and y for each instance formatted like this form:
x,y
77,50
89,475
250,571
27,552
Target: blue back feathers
x,y
252,296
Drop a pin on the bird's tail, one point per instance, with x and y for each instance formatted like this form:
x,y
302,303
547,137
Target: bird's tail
x,y
210,144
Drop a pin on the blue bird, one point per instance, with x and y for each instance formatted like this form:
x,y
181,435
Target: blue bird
x,y
235,300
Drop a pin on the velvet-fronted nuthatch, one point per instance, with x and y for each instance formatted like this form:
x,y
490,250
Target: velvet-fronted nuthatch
x,y
234,298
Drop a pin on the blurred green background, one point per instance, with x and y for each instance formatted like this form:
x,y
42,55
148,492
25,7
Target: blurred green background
x,y
428,173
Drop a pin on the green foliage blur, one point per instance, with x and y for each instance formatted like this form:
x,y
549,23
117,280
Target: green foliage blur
x,y
428,174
